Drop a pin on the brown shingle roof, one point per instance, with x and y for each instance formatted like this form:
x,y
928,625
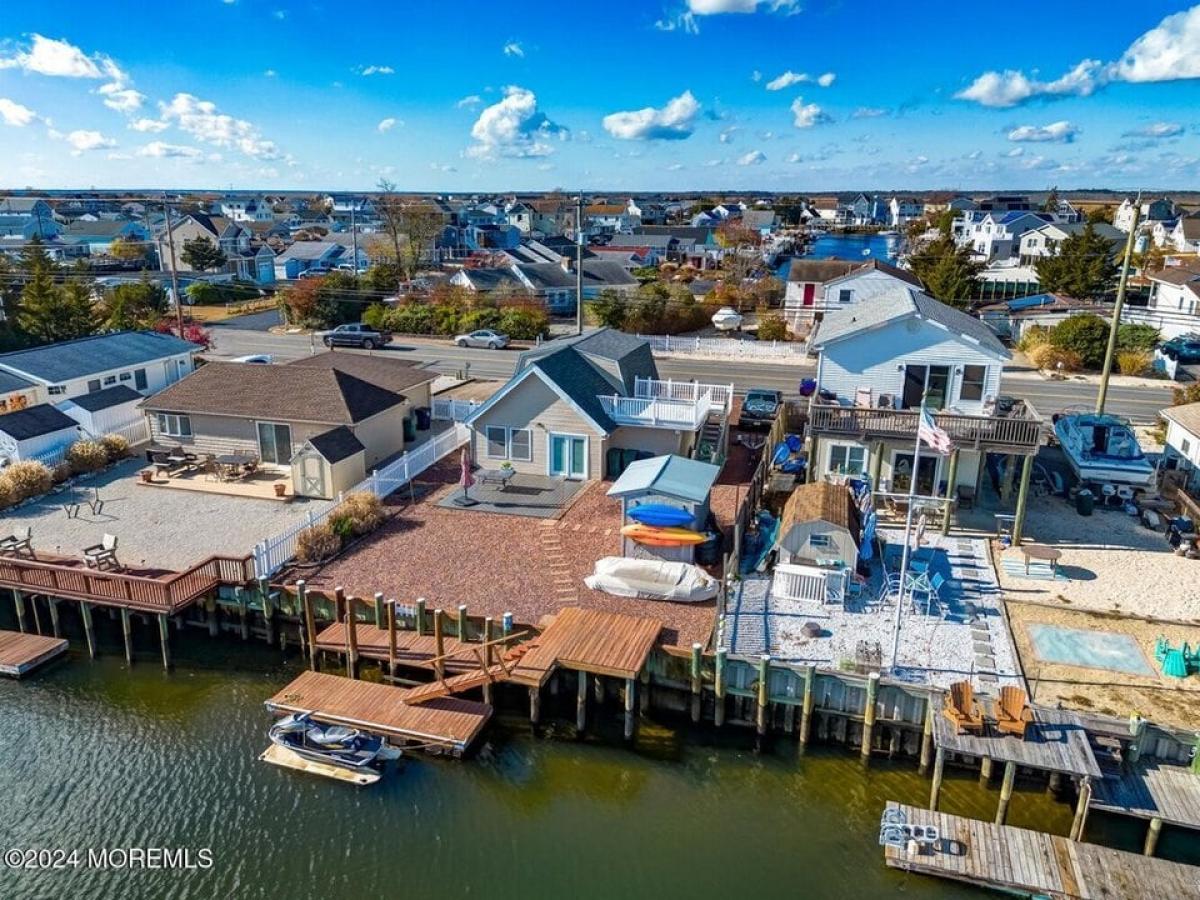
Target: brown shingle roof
x,y
396,375
280,393
823,500
1186,416
820,270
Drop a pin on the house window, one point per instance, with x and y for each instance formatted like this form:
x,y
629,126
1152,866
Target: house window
x,y
174,425
820,541
1185,446
139,379
844,295
520,444
125,376
56,390
845,459
93,385
110,379
497,442
972,382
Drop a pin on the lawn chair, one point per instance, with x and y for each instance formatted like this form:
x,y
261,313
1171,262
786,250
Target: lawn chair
x,y
1012,712
962,709
17,543
103,555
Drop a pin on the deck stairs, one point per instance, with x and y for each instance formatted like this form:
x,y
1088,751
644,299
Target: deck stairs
x,y
457,684
710,443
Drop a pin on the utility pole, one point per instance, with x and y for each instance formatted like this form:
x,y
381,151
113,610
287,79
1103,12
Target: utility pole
x,y
1102,395
354,237
579,263
174,274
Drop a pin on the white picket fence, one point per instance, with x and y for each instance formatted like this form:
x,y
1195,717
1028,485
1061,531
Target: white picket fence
x,y
136,432
451,410
725,348
270,555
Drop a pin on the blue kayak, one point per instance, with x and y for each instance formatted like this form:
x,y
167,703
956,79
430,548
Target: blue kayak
x,y
660,515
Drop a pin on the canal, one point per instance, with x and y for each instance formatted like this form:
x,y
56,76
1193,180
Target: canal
x,y
100,756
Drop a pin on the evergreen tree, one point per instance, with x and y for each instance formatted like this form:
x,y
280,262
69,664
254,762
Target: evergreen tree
x,y
201,254
134,306
1051,204
947,270
1084,266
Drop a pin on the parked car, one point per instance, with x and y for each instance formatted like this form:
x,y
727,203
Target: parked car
x,y
263,359
484,337
759,408
355,335
1185,350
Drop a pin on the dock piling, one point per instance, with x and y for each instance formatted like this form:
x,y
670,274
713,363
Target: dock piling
x,y
535,705
351,622
89,632
810,683
210,609
985,771
488,656
239,594
935,790
581,701
53,604
268,609
1079,825
927,737
420,616
462,622
379,622
764,684
719,688
127,630
630,715
1152,834
390,612
1006,791
310,625
439,644
695,672
164,632
869,714
19,603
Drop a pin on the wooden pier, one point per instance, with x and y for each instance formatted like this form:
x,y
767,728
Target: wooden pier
x,y
20,653
450,723
1156,791
591,641
1035,864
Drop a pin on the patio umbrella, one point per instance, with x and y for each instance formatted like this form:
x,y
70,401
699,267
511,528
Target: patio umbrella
x,y
466,479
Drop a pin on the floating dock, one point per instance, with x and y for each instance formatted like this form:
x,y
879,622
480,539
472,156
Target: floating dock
x,y
21,653
286,759
449,723
1030,863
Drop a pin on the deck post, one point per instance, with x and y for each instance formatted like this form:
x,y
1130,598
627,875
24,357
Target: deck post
x,y
37,618
420,616
764,685
927,736
390,612
52,603
876,464
985,770
935,789
719,688
1081,809
351,623
869,715
950,482
1006,481
644,690
210,609
439,645
1055,784
19,603
164,631
462,622
1152,834
696,682
630,715
239,594
89,632
268,610
581,701
310,625
1006,791
535,705
488,655
1022,498
127,630
379,622
806,708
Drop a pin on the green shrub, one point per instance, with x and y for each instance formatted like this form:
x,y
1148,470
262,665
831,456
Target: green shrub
x,y
87,456
474,319
772,328
1086,335
342,525
524,322
1137,337
410,318
115,447
318,543
23,480
375,315
1133,362
1048,356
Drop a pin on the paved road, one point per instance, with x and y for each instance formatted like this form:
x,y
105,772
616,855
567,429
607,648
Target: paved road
x,y
1140,404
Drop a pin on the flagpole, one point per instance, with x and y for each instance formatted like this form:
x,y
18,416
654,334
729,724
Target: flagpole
x,y
904,559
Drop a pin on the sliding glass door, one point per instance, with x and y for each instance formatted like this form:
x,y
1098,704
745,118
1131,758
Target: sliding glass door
x,y
931,381
568,456
274,443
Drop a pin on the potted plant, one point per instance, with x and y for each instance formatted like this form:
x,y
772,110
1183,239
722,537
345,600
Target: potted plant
x,y
148,476
280,488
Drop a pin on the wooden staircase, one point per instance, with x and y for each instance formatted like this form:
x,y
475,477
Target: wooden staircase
x,y
457,684
712,434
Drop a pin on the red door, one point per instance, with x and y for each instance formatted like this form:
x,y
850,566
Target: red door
x,y
810,290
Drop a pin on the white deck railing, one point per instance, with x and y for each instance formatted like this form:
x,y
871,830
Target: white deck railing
x,y
655,413
809,584
724,348
720,396
271,554
448,409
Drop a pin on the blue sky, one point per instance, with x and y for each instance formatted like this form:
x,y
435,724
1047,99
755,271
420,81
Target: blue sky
x,y
788,95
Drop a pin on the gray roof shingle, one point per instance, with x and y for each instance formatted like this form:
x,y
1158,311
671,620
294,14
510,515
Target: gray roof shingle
x,y
109,397
69,360
35,421
336,444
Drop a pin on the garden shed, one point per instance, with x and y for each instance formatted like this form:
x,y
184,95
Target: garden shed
x,y
35,432
820,523
113,410
328,463
668,480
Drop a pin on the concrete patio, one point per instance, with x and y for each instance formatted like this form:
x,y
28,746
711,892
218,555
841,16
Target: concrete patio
x,y
535,496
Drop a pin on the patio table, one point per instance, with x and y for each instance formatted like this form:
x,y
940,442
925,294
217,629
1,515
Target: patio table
x,y
230,464
1042,552
497,476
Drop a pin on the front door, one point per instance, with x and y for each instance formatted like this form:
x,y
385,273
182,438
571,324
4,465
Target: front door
x,y
568,456
312,476
902,474
810,291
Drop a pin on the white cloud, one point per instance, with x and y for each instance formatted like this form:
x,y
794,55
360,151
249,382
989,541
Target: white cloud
x,y
269,73
753,158
1011,87
82,141
469,101
202,120
826,79
789,78
122,99
869,112
151,125
1015,152
674,121
674,167
514,48
14,114
719,7
386,125
442,167
726,135
514,127
1157,130
377,70
1063,131
684,22
806,115
756,76
61,59
163,150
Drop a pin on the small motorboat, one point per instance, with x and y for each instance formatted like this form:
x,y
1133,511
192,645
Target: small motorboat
x,y
1103,449
333,744
660,515
727,319
647,579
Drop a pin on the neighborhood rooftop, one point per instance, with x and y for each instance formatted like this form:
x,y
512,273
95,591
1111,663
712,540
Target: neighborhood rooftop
x,y
34,422
65,361
106,398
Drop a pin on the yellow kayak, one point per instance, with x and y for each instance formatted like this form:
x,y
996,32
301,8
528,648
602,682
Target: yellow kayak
x,y
663,537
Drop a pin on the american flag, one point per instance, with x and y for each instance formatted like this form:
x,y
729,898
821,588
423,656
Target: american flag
x,y
929,432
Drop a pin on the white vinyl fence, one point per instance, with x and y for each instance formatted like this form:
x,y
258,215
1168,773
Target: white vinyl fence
x,y
136,432
271,554
451,410
720,396
725,348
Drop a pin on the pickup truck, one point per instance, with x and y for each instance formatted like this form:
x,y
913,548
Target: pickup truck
x,y
759,408
355,335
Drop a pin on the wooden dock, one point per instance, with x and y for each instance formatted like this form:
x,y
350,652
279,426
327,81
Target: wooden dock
x,y
1032,863
412,649
450,723
21,653
592,641
1055,741
1152,790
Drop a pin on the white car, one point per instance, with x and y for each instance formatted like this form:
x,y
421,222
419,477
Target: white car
x,y
484,337
262,359
727,319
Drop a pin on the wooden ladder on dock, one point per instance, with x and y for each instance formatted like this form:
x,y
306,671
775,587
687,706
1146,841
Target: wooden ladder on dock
x,y
457,684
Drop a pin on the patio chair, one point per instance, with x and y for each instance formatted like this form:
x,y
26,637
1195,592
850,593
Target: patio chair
x,y
249,469
209,468
18,542
102,555
1012,712
962,709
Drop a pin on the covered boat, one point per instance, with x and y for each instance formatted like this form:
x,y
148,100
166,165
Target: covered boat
x,y
648,579
333,744
1103,449
727,319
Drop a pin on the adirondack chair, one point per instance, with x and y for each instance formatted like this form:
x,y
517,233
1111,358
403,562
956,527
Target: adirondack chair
x,y
961,707
1012,712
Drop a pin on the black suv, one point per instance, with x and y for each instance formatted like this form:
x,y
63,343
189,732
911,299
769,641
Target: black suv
x,y
759,408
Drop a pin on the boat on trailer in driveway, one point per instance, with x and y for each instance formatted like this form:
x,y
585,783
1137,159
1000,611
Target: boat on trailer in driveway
x,y
1103,449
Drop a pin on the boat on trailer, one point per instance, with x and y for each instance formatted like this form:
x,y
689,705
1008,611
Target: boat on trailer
x,y
1103,449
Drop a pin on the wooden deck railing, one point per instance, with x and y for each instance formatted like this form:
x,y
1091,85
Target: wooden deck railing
x,y
165,594
1016,433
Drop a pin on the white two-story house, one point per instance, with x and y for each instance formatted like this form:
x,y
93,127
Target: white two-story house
x,y
876,362
816,287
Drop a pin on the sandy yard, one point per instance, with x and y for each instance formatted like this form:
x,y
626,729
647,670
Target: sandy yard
x,y
1113,563
1170,701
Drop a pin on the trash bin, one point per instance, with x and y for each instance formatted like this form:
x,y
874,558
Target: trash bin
x,y
424,417
613,462
410,429
1085,502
